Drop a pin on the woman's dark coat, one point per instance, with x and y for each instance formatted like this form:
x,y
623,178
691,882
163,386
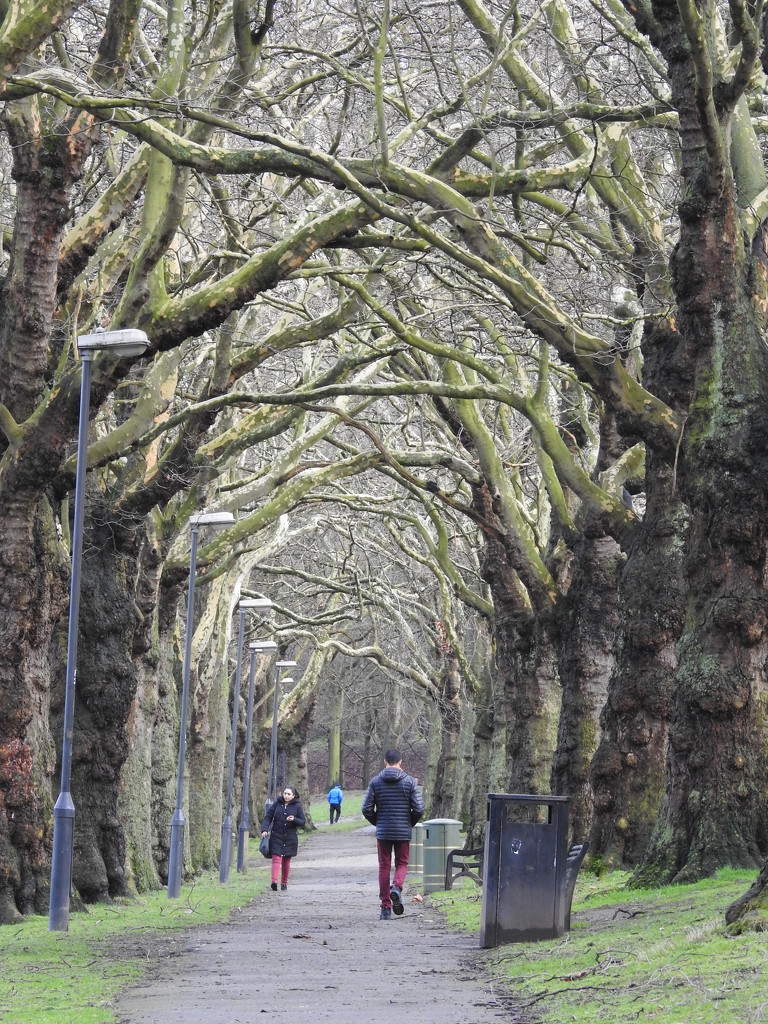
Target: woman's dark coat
x,y
284,837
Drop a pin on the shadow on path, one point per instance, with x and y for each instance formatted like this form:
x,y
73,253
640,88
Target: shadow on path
x,y
319,953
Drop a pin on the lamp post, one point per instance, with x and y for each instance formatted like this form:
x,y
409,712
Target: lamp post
x,y
226,826
219,520
124,343
257,647
271,791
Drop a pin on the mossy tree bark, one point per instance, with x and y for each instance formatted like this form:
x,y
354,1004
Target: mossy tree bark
x,y
587,181
714,773
34,586
526,661
588,619
106,688
750,911
48,152
627,772
335,775
488,755
209,715
145,792
443,785
293,737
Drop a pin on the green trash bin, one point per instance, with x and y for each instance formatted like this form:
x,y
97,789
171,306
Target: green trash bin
x,y
416,857
441,835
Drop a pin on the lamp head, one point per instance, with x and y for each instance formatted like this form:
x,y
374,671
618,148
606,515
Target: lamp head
x,y
286,664
124,343
288,679
262,645
262,603
219,520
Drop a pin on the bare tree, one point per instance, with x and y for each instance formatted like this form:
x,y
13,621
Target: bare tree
x,y
318,210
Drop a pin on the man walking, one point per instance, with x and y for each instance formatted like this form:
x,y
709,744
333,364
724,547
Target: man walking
x,y
335,796
393,804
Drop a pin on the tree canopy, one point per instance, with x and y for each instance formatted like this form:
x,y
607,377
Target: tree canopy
x,y
460,308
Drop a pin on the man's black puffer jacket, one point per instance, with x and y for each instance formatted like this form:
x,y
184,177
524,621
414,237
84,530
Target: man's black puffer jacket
x,y
393,803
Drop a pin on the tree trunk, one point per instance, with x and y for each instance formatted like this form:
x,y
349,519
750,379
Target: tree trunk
x,y
443,790
750,911
587,636
262,724
366,772
489,754
293,738
33,565
33,584
393,728
207,752
260,742
526,662
714,773
627,773
335,775
145,794
106,686
157,706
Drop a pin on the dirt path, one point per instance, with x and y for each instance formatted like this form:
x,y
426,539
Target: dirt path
x,y
319,953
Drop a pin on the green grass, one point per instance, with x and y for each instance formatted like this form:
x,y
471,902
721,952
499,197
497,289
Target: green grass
x,y
350,808
657,955
72,977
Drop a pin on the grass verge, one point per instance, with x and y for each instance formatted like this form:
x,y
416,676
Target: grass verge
x,y
72,977
632,955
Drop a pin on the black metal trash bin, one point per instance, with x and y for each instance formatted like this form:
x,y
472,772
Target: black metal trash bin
x,y
528,875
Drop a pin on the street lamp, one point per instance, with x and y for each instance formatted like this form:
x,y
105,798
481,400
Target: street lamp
x,y
124,343
243,606
257,647
271,791
218,520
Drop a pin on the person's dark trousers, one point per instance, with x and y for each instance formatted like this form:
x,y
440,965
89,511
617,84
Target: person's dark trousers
x,y
401,849
335,810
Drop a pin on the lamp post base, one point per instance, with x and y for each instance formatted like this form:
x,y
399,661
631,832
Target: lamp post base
x,y
226,849
176,856
61,864
242,846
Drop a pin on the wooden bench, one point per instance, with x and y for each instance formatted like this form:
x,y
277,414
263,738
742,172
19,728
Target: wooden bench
x,y
464,864
576,855
469,864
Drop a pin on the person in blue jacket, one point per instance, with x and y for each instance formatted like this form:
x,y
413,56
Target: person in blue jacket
x,y
282,822
335,796
393,804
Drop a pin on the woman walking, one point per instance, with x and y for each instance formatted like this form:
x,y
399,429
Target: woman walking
x,y
281,822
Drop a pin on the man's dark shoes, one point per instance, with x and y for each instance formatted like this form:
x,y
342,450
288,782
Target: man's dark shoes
x,y
386,914
283,886
274,886
397,902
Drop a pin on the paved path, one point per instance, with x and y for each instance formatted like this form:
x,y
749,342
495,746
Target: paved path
x,y
319,953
